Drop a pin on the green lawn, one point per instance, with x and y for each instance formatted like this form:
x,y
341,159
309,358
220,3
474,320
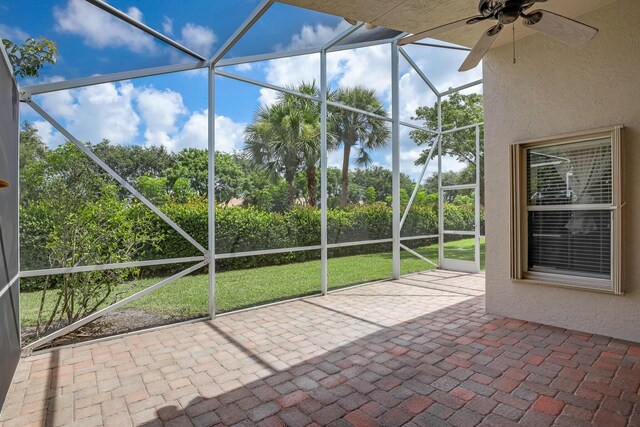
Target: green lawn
x,y
188,297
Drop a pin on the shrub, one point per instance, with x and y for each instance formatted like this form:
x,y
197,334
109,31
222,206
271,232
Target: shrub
x,y
242,229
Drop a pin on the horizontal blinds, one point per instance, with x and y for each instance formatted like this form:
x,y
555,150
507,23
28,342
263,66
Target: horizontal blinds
x,y
556,245
572,238
575,173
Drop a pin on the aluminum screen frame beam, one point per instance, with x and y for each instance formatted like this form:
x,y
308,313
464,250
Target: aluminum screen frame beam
x,y
461,88
112,266
265,57
324,222
477,202
419,72
395,157
139,25
260,10
9,285
211,209
108,78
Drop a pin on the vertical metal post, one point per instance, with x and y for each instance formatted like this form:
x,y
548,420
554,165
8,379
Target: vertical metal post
x,y
19,235
211,190
324,258
440,192
477,201
395,157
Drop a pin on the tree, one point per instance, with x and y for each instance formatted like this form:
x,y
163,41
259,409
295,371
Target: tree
x,y
28,58
134,161
181,192
370,195
310,144
285,137
153,188
357,130
457,111
193,164
32,164
230,178
378,178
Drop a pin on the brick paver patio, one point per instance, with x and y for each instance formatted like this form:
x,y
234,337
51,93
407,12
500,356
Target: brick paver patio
x,y
417,351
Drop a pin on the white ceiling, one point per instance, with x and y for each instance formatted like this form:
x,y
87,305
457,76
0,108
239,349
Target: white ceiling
x,y
414,16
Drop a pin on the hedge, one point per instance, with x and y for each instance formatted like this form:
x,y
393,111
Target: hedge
x,y
242,229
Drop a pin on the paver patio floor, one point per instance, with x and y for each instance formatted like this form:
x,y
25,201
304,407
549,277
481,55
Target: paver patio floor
x,y
416,351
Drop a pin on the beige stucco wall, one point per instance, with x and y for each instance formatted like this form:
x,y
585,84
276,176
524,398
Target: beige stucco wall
x,y
555,89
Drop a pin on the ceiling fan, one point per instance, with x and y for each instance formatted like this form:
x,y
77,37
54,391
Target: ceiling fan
x,y
507,12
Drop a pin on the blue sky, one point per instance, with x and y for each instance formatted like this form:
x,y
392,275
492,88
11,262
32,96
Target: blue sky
x,y
171,109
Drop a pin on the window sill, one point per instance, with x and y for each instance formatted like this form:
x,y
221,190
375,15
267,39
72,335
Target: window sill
x,y
569,282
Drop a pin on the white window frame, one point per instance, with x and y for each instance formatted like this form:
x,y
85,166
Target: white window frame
x,y
519,217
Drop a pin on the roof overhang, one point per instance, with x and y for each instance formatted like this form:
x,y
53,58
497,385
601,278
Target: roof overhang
x,y
414,16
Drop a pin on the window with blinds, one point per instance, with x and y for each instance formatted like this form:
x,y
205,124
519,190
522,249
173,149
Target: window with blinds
x,y
567,210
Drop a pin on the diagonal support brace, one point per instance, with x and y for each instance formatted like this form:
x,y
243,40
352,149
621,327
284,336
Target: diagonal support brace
x,y
114,175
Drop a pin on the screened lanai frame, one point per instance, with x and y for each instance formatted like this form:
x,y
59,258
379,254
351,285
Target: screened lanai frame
x,y
213,66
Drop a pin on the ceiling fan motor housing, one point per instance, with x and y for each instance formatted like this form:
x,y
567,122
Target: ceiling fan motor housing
x,y
504,11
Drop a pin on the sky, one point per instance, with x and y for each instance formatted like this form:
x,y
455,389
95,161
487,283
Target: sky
x,y
171,110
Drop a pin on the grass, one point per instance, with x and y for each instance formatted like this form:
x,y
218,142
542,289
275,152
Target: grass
x,y
188,297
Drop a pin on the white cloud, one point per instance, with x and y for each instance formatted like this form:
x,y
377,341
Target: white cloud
x,y
194,131
119,111
167,26
199,38
228,133
316,36
414,93
135,13
268,97
14,34
160,111
100,29
96,112
334,158
49,135
247,66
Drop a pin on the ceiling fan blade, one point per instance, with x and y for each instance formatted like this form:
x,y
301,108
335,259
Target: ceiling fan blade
x,y
439,30
481,48
559,27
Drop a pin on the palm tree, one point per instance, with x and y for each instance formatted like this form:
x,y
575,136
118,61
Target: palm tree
x,y
356,130
285,137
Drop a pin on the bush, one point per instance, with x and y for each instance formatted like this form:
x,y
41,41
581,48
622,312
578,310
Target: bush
x,y
242,229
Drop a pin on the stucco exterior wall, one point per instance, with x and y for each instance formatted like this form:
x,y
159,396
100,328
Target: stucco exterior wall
x,y
555,89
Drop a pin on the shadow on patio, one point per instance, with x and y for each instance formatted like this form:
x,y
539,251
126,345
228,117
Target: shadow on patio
x,y
418,350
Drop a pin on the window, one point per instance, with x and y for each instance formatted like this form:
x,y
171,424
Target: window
x,y
566,218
